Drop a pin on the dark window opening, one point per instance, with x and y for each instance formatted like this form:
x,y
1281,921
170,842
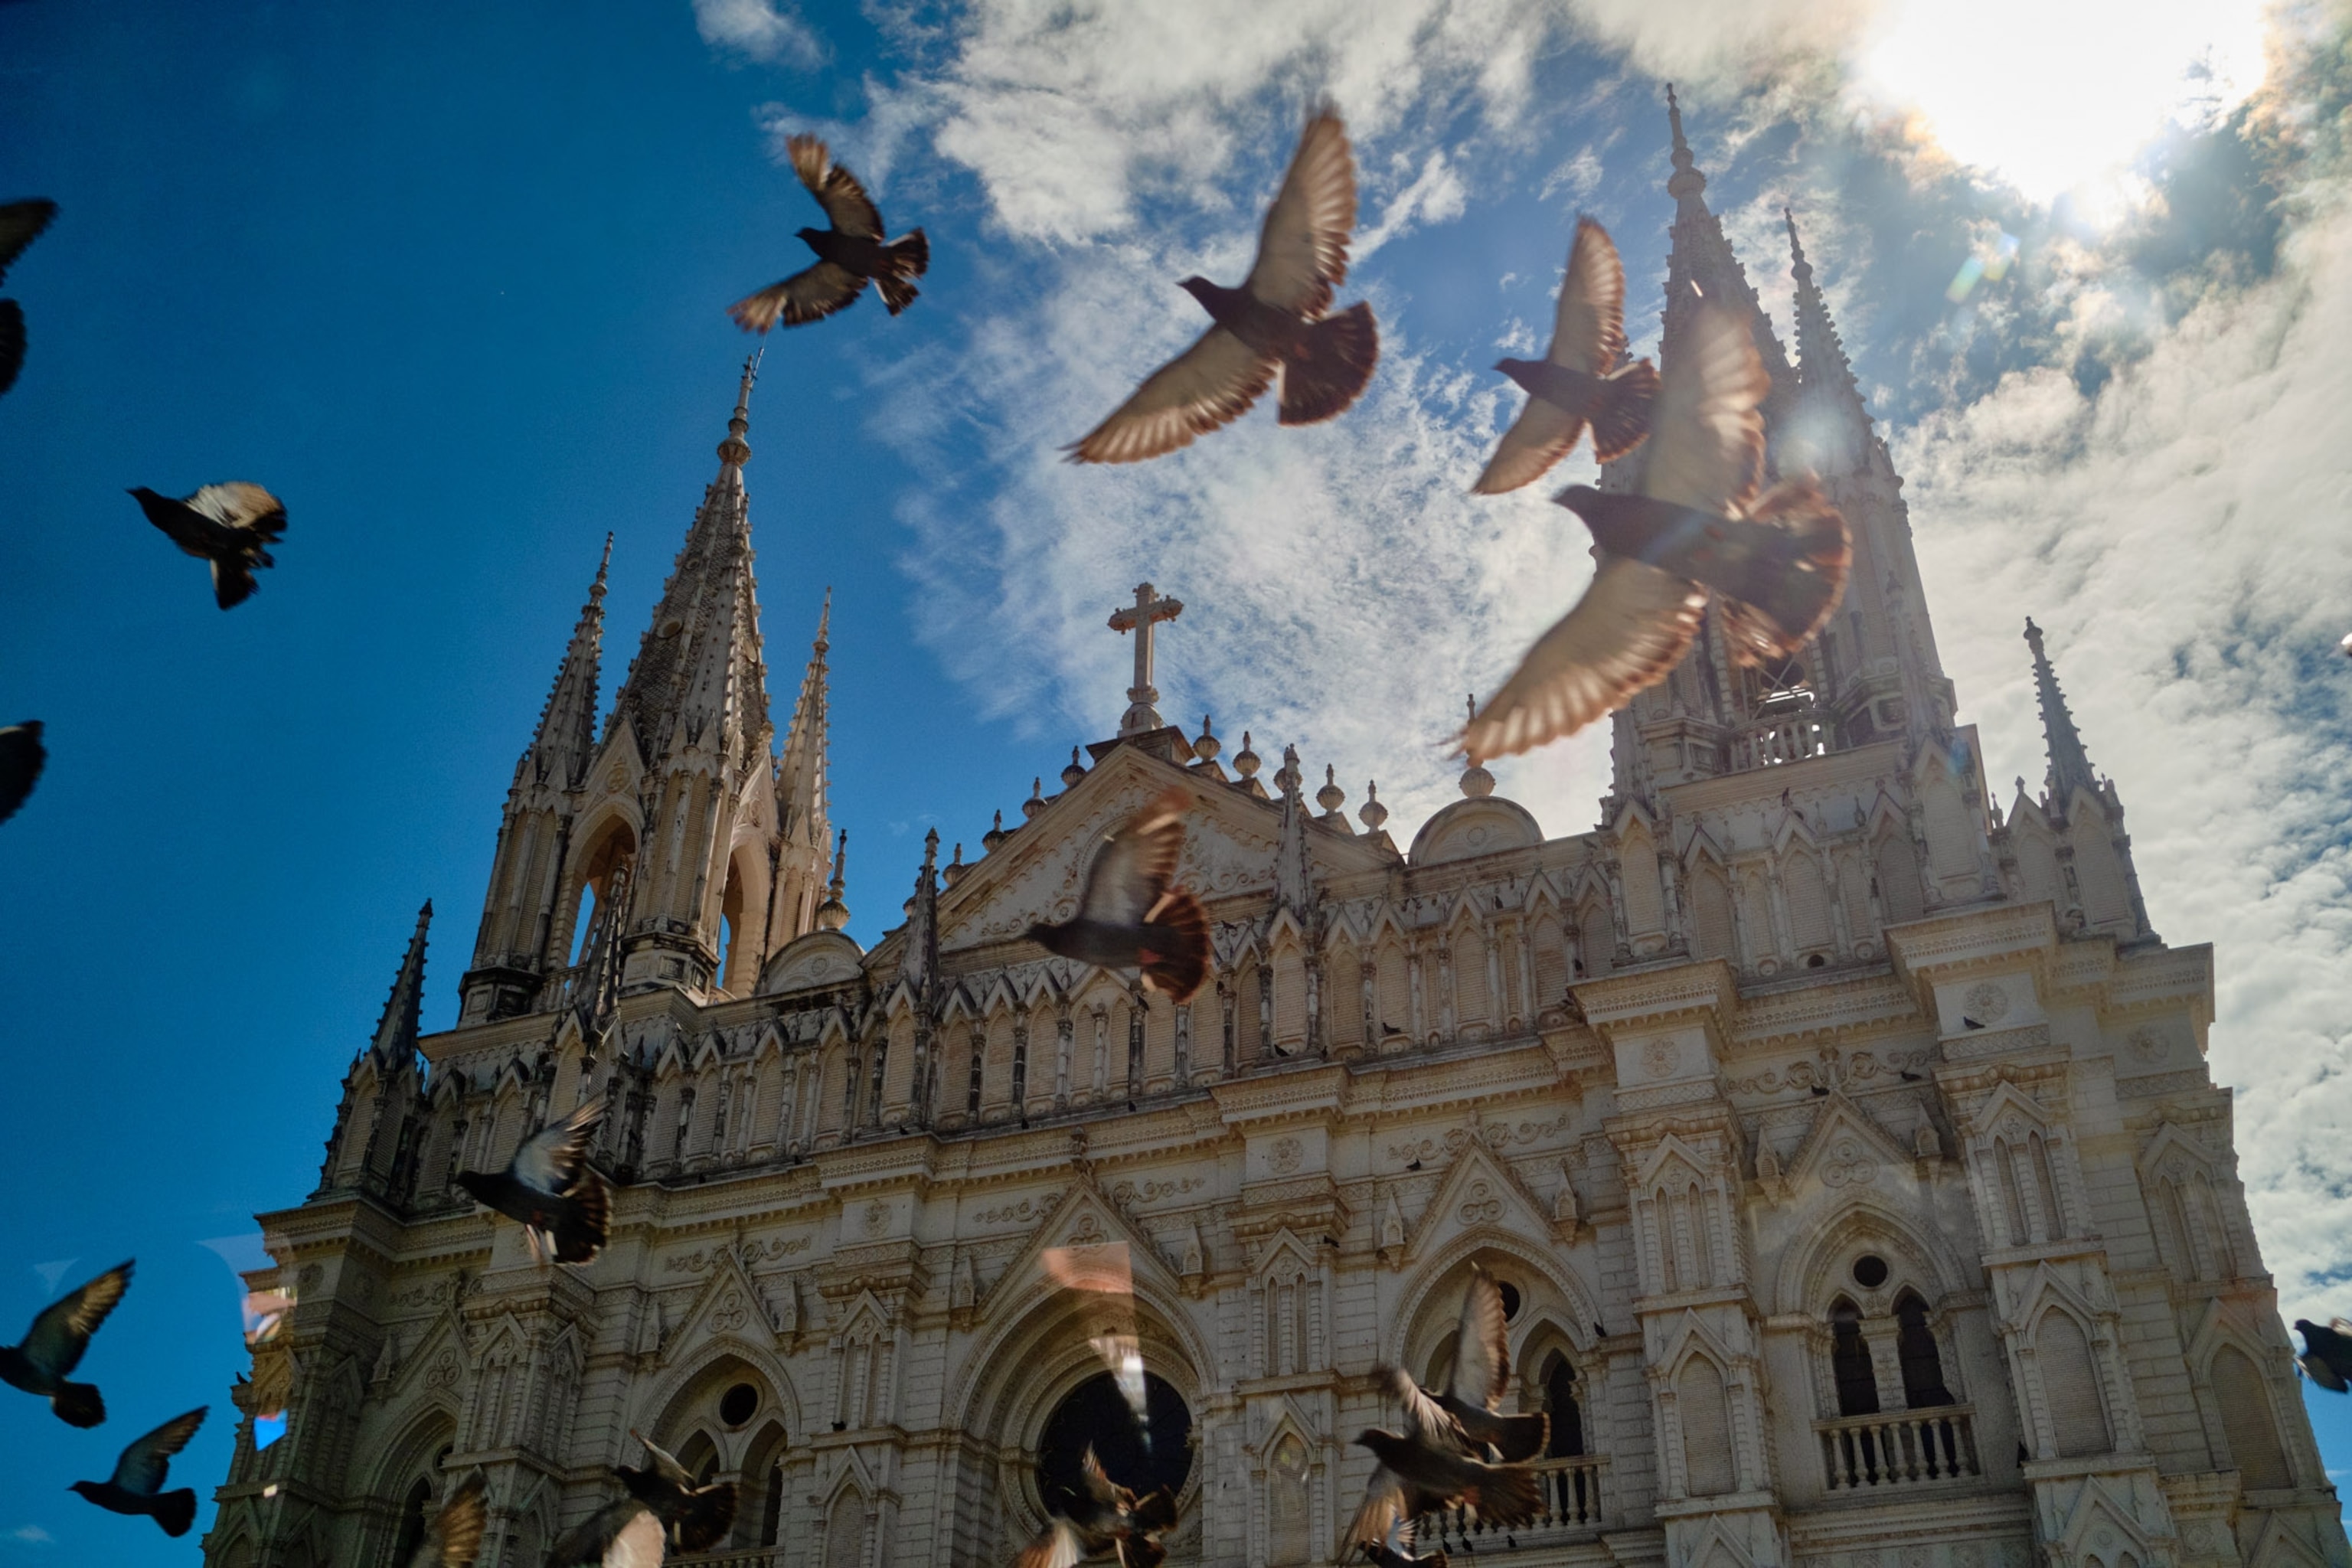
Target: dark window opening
x,y
1857,1384
1870,1271
1095,1414
739,1404
411,1522
1510,1294
1923,1364
1560,1401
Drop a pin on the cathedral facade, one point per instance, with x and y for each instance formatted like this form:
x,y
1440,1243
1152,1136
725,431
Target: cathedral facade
x,y
1843,1141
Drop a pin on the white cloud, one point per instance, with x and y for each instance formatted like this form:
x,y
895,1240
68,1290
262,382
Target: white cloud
x,y
2182,540
32,1535
759,30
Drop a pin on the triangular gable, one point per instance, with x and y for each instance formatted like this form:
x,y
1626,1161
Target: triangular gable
x,y
1684,1337
1842,1142
2278,1544
1670,1150
2098,1507
2002,1108
441,1356
1082,1216
2171,1144
1479,1192
1710,1545
729,1306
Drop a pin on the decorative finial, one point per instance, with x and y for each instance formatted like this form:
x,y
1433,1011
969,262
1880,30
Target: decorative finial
x,y
1330,798
956,867
1799,267
735,450
993,836
833,915
1036,801
1477,781
1686,181
1245,760
1074,772
1207,746
1372,814
596,589
824,624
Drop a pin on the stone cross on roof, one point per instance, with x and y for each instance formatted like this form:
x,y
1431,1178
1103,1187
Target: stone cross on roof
x,y
1147,611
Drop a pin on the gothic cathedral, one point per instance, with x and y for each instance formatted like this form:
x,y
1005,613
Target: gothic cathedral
x,y
1842,1142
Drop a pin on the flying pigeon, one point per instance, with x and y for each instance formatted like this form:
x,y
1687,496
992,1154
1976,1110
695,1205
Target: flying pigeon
x,y
54,1346
21,223
1108,1518
550,1188
848,252
1128,917
621,1534
1578,380
1776,561
455,1537
1275,321
1466,1411
139,1471
231,525
1395,1549
1416,1477
2327,1355
1122,1354
21,756
696,1517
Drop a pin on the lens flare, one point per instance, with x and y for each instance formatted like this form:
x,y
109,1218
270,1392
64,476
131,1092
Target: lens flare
x,y
268,1429
2059,96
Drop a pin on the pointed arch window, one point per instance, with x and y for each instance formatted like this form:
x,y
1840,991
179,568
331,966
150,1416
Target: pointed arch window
x,y
1850,1367
1923,1362
413,1510
1560,1404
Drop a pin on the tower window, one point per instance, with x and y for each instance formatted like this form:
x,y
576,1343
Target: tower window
x,y
1923,1364
1857,1383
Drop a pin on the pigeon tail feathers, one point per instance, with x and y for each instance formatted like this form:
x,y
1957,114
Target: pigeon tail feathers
x,y
1174,956
175,1511
1806,576
78,1403
1506,1496
1332,365
579,1235
1622,421
909,257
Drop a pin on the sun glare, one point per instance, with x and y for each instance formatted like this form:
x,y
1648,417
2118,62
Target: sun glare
x,y
2058,96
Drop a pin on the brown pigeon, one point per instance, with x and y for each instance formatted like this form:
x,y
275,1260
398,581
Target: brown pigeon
x,y
454,1539
848,252
1422,1473
1466,1411
54,1347
21,223
132,1488
1778,561
696,1517
231,525
1577,381
1108,1518
21,757
1275,321
1128,917
551,1189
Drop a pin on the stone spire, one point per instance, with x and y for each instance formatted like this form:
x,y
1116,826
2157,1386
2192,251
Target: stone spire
x,y
1832,433
833,913
1701,255
565,741
921,964
397,1030
1294,871
2070,765
799,777
699,682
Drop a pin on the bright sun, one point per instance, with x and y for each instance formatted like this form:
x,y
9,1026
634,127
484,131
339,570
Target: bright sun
x,y
2058,95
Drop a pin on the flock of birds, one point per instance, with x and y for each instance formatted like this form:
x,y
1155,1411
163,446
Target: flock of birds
x,y
1700,526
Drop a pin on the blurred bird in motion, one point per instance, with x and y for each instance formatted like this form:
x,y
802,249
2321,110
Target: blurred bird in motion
x,y
1274,321
1128,917
848,252
1579,381
132,1488
623,1533
550,1188
1776,561
1466,1411
54,1346
21,223
21,758
454,1538
1107,1518
230,525
2327,1357
696,1517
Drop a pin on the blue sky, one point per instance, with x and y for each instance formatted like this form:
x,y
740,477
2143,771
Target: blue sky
x,y
452,285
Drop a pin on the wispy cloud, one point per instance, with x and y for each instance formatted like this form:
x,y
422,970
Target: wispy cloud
x,y
32,1535
761,30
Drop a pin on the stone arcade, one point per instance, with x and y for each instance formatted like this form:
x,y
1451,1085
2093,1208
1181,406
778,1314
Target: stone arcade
x,y
1845,1141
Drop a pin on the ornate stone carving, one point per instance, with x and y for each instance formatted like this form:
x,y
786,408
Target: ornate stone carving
x,y
1986,1002
1286,1156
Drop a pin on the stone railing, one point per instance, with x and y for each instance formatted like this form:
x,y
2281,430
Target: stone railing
x,y
1899,1448
1805,733
732,1557
1571,1507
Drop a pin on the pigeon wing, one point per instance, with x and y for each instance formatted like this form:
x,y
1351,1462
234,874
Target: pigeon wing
x,y
194,532
1798,549
1424,1419
1099,1484
1057,1548
1481,1352
597,1538
1384,1510
809,295
550,1159
836,190
60,1334
21,223
1628,630
12,342
664,1466
143,1464
247,508
455,1537
639,1543
1135,864
1587,330
21,758
1707,438
1302,252
1209,385
1542,436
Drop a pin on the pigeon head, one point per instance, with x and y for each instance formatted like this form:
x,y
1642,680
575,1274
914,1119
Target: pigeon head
x,y
1518,370
87,1488
810,235
474,1182
1216,297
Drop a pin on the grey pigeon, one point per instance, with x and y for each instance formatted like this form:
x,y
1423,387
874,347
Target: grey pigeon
x,y
848,252
230,525
1128,917
1466,1410
21,223
1416,1476
1579,381
1776,561
696,1517
132,1488
1108,1518
550,1187
2327,1355
54,1347
1274,321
